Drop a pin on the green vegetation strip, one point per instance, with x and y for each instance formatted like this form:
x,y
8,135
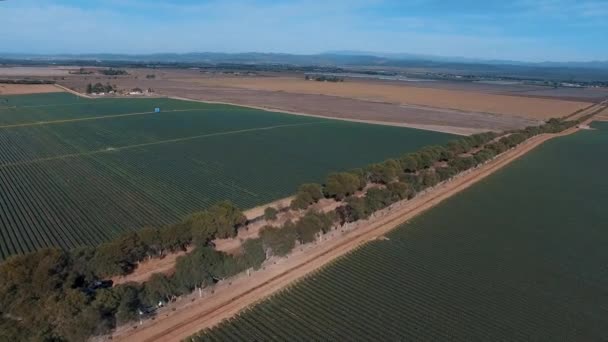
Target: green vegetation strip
x,y
520,256
79,183
70,285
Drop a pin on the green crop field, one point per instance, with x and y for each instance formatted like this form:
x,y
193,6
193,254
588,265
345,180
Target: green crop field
x,y
521,256
75,171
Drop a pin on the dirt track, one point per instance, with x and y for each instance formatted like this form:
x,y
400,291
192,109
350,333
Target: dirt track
x,y
243,291
148,268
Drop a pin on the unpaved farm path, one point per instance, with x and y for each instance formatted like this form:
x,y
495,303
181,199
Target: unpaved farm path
x,y
230,298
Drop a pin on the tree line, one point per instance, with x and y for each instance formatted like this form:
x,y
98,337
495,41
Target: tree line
x,y
57,295
324,78
113,72
27,81
100,88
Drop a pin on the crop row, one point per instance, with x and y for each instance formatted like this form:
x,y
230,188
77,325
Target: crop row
x,y
513,258
70,184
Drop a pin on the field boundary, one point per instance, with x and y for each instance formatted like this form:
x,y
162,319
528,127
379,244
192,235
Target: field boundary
x,y
462,131
66,89
243,292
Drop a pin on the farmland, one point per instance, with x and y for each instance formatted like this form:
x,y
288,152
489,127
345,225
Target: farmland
x,y
77,172
468,101
519,256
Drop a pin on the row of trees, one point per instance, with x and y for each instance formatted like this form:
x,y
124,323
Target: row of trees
x,y
53,294
324,78
113,72
100,88
58,295
27,81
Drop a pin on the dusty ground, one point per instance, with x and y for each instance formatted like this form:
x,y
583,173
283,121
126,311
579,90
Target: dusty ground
x,y
36,71
593,109
342,108
456,107
21,89
195,85
203,310
146,269
526,107
603,115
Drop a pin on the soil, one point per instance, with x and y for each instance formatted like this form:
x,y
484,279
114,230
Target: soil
x,y
204,310
23,89
145,269
36,71
603,115
193,85
437,128
526,107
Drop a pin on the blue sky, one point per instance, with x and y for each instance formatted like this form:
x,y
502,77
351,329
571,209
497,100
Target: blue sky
x,y
528,30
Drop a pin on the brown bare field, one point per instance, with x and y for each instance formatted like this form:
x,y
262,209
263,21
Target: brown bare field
x,y
603,115
527,107
191,84
593,109
23,89
191,314
453,107
35,71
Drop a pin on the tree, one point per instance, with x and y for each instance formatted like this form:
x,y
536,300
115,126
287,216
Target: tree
x,y
201,267
253,253
151,238
424,159
106,302
176,237
280,241
400,190
158,288
377,199
458,146
384,172
89,88
311,224
409,163
72,318
119,256
340,185
430,179
463,163
219,221
313,189
129,302
445,173
357,208
307,194
270,214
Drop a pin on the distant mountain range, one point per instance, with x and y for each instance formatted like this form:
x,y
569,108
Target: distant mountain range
x,y
329,58
452,59
582,71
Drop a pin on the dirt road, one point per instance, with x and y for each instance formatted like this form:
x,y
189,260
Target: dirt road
x,y
192,314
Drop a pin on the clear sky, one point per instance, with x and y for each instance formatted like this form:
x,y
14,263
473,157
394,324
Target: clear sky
x,y
528,30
